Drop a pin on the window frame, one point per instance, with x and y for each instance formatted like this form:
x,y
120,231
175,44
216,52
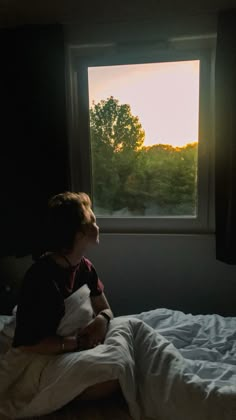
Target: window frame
x,y
79,58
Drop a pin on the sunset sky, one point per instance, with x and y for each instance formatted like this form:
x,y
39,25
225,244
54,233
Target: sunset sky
x,y
165,97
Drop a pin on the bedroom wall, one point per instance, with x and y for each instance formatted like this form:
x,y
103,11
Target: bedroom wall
x,y
11,273
143,272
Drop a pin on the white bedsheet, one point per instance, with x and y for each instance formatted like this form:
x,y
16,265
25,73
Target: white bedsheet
x,y
197,337
178,367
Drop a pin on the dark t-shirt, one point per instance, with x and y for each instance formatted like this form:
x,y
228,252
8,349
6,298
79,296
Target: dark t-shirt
x,y
41,302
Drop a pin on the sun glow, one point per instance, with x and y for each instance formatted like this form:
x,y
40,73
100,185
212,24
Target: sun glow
x,y
165,97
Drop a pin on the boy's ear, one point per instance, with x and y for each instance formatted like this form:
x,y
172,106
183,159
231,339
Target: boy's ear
x,y
79,235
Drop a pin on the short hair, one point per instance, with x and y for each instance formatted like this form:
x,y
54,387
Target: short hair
x,y
68,212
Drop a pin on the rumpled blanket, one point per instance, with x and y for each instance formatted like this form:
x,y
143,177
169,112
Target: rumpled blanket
x,y
156,380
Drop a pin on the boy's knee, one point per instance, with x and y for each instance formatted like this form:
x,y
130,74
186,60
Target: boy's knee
x,y
101,390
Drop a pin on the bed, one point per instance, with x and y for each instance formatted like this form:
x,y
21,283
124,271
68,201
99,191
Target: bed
x,y
186,369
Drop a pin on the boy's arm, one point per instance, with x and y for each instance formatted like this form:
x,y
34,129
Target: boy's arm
x,y
53,345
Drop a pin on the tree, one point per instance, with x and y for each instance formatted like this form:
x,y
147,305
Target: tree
x,y
113,125
116,138
170,178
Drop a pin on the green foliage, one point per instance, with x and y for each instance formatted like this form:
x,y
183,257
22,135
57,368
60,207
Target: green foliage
x,y
158,180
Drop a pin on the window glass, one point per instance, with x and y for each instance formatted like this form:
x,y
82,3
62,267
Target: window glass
x,y
144,121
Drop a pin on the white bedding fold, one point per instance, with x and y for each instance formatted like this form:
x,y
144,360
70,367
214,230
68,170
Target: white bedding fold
x,y
179,367
151,372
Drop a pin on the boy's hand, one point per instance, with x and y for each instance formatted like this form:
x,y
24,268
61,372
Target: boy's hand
x,y
93,334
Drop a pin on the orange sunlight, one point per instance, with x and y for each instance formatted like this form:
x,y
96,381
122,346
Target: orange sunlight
x,y
165,97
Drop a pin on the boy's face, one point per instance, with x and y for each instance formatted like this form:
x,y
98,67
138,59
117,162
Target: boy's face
x,y
91,229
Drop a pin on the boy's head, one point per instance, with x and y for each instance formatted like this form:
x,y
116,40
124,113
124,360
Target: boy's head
x,y
68,214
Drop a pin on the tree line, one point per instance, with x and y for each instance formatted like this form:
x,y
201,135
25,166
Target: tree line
x,y
132,179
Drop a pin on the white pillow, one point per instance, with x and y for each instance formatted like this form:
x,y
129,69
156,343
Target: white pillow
x,y
78,312
7,328
7,325
5,343
5,319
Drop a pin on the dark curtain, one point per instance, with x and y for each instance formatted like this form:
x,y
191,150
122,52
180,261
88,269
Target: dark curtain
x,y
34,150
225,152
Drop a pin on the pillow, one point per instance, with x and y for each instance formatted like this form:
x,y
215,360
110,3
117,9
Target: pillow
x,y
78,312
7,328
5,343
7,325
4,319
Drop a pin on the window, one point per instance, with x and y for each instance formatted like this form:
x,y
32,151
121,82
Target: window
x,y
141,135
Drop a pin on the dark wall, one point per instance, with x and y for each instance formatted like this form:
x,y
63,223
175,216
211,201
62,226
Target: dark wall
x,y
12,271
143,272
33,130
